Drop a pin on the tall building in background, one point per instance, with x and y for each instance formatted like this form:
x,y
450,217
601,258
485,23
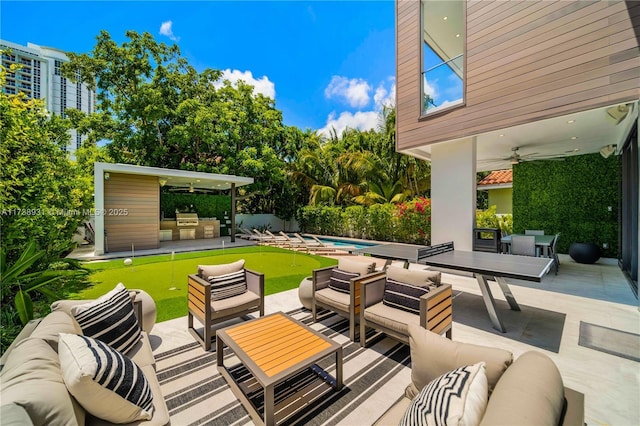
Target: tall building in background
x,y
40,78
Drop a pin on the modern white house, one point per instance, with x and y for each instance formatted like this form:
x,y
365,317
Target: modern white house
x,y
486,85
39,77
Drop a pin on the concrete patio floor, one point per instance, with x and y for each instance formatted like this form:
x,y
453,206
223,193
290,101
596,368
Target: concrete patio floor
x,y
597,294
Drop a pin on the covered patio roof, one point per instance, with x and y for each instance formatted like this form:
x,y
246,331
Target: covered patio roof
x,y
177,178
127,201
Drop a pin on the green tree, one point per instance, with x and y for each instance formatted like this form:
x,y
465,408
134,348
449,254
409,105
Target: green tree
x,y
42,193
157,110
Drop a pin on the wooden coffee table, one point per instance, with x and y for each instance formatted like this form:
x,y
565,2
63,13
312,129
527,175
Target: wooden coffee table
x,y
275,348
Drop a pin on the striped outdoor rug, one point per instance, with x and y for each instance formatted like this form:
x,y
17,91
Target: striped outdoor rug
x,y
374,378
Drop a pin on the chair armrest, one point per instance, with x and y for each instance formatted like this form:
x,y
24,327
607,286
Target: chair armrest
x,y
372,289
199,297
320,278
574,413
255,282
436,309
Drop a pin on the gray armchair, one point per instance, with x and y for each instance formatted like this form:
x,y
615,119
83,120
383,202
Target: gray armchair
x,y
210,311
435,307
345,303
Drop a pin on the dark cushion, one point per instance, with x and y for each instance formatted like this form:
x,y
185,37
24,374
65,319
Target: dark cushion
x,y
340,280
403,296
228,285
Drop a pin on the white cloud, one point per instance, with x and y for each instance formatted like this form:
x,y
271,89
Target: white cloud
x,y
355,91
166,30
430,89
262,85
360,120
384,97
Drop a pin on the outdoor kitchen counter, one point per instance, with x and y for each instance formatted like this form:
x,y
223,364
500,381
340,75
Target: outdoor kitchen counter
x,y
170,224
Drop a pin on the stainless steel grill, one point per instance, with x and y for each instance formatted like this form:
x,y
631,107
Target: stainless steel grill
x,y
187,219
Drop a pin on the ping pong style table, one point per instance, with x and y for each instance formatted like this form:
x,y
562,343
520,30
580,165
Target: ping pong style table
x,y
485,266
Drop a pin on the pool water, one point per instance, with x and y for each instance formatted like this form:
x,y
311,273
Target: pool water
x,y
338,242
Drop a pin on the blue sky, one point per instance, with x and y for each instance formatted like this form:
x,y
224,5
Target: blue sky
x,y
329,63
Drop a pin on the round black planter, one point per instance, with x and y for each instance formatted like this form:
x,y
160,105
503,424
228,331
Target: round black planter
x,y
584,252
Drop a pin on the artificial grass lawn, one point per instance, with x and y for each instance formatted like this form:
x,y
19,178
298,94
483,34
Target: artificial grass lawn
x,y
166,280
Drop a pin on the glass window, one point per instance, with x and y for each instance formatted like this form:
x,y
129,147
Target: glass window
x,y
442,54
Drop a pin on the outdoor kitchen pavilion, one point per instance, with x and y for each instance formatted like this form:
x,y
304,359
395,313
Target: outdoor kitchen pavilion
x,y
127,202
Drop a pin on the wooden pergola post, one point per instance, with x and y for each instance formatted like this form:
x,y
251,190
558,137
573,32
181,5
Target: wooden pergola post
x,y
233,213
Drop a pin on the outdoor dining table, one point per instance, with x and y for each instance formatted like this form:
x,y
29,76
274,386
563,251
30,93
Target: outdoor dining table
x,y
543,242
484,266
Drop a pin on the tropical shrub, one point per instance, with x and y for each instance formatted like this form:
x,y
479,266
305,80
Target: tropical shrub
x,y
354,222
415,221
489,219
408,222
381,222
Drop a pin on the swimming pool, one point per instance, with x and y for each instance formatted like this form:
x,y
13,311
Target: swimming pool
x,y
336,241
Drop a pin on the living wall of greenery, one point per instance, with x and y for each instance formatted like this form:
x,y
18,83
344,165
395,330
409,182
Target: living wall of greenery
x,y
571,196
206,205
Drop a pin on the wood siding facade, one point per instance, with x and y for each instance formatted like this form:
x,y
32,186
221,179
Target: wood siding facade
x,y
525,61
131,212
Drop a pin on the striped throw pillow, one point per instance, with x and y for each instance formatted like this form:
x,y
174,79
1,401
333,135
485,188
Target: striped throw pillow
x,y
403,296
106,383
340,280
458,397
110,319
228,285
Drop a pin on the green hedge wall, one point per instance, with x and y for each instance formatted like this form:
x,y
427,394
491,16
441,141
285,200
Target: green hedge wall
x,y
569,196
206,205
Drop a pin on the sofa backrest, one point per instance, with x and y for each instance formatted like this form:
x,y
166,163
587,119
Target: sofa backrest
x,y
433,355
530,392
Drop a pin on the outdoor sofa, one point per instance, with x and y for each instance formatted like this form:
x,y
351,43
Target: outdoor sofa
x,y
528,391
32,387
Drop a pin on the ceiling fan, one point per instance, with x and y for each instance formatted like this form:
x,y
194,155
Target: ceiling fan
x,y
517,158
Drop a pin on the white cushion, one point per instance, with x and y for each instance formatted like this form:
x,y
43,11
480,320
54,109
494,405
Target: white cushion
x,y
357,266
206,271
106,383
458,397
110,319
420,278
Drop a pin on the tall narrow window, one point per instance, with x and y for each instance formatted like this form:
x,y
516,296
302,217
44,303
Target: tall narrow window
x,y
443,41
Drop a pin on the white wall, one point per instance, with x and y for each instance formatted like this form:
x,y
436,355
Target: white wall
x,y
453,193
273,222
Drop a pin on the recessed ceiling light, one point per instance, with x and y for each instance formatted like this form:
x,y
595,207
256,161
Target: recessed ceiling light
x,y
501,135
573,138
457,35
571,121
445,18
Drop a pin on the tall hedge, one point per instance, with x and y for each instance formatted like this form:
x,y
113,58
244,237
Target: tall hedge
x,y
569,196
206,205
